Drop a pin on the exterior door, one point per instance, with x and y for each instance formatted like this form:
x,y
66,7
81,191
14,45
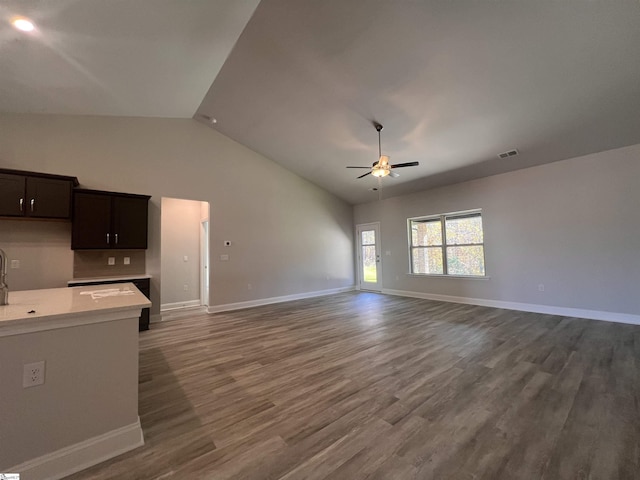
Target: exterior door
x,y
369,271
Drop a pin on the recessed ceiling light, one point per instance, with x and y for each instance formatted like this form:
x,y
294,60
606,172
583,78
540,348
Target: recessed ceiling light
x,y
23,24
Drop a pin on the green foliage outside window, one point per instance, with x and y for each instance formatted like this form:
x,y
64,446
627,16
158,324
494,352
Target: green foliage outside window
x,y
450,244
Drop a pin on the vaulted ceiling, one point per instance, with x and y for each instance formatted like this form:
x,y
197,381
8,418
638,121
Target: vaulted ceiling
x,y
454,82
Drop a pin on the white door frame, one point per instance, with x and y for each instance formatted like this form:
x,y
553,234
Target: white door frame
x,y
204,262
362,285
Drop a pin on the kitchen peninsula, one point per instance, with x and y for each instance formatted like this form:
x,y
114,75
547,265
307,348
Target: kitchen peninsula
x,y
82,342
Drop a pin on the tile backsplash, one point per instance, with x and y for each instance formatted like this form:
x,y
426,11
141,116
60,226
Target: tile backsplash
x,y
95,263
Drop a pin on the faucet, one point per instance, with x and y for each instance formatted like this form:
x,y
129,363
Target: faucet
x,y
4,288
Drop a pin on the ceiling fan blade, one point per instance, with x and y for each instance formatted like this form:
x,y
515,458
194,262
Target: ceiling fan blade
x,y
408,164
360,167
368,173
393,174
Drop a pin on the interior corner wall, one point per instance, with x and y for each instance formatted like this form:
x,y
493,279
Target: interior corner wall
x,y
289,237
572,226
180,252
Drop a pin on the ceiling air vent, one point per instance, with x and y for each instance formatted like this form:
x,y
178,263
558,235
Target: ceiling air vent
x,y
510,153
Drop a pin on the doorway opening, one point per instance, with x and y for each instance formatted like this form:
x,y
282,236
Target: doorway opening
x,y
184,255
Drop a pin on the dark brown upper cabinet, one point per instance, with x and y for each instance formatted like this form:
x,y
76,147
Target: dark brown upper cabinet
x,y
35,195
104,220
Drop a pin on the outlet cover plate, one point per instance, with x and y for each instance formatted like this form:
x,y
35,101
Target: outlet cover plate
x,y
33,374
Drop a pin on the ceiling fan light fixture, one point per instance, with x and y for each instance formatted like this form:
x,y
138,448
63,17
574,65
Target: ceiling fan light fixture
x,y
380,171
383,166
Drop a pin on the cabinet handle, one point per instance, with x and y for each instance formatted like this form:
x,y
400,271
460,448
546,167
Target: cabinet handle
x,y
33,202
116,238
22,204
107,239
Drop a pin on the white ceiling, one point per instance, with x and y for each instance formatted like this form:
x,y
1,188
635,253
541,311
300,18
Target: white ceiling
x,y
152,58
454,82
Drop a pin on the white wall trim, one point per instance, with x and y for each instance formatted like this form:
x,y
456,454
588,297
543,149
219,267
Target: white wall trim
x,y
267,301
166,307
183,312
525,307
155,318
85,454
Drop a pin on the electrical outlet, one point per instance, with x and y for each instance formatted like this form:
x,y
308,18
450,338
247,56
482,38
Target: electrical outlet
x,y
127,260
111,261
224,258
185,258
186,287
15,263
33,374
541,287
249,287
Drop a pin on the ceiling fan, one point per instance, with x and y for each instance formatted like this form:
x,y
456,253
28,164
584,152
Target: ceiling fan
x,y
382,168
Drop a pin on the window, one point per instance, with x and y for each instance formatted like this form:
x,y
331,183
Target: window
x,y
447,244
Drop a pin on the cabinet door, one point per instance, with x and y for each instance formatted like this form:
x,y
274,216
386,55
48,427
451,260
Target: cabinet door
x,y
130,222
12,200
91,221
48,198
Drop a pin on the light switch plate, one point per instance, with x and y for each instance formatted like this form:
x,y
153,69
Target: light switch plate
x,y
224,258
15,263
127,260
111,261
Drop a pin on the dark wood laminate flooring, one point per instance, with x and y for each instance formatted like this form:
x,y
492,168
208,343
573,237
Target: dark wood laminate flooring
x,y
362,385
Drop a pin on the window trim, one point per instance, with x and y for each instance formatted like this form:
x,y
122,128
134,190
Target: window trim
x,y
442,217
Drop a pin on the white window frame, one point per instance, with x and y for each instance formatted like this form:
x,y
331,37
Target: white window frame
x,y
443,217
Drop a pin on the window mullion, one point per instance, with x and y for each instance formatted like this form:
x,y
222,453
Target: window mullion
x,y
445,270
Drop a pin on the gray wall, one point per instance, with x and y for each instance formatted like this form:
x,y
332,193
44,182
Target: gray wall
x,y
573,226
289,236
64,411
180,237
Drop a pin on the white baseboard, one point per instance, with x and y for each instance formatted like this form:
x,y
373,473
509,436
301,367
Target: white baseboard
x,y
168,307
525,307
155,318
268,301
85,454
183,312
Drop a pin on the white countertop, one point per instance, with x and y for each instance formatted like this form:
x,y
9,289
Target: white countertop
x,y
60,307
107,279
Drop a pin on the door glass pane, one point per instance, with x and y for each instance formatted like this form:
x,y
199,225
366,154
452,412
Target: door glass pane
x,y
461,230
465,260
426,233
369,237
369,270
427,260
